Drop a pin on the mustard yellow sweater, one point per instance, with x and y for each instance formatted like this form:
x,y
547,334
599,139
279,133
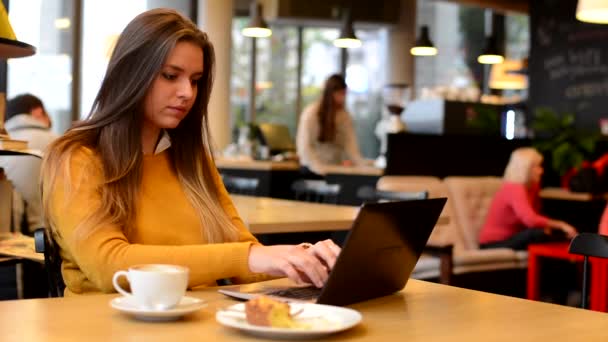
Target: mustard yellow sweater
x,y
167,230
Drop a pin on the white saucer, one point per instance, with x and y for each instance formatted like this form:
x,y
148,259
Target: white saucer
x,y
185,306
320,320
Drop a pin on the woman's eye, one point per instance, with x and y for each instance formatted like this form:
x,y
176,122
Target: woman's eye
x,y
194,82
169,77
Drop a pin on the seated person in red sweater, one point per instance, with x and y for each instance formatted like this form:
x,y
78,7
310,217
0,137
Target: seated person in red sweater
x,y
513,220
604,222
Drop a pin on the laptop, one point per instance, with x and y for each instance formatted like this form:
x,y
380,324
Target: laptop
x,y
380,252
276,137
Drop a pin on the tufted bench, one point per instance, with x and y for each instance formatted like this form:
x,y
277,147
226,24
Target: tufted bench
x,y
469,199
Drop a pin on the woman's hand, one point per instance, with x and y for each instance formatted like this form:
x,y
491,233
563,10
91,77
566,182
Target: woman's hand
x,y
304,263
567,229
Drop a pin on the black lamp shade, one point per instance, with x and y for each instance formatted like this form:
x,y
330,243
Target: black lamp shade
x,y
347,31
257,26
347,38
491,54
424,39
256,19
424,46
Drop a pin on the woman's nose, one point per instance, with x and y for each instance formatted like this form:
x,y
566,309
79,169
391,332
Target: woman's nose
x,y
185,89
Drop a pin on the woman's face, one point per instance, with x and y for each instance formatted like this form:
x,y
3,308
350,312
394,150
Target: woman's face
x,y
340,97
536,171
174,90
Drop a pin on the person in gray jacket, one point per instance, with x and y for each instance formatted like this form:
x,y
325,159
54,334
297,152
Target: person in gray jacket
x,y
27,119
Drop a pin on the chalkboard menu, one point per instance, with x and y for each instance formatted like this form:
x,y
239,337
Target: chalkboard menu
x,y
568,64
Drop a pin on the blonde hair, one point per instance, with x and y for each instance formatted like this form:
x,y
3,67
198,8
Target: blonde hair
x,y
520,164
113,131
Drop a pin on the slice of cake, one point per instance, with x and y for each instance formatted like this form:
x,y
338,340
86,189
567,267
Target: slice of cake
x,y
266,311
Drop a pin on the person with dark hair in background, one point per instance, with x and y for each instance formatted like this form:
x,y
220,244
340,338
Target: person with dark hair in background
x,y
136,183
27,119
326,134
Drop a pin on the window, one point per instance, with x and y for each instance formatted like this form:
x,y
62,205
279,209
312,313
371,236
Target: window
x,y
276,83
458,33
47,25
517,29
365,78
276,77
103,21
320,59
240,74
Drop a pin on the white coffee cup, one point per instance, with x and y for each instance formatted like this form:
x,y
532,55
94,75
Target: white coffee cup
x,y
154,286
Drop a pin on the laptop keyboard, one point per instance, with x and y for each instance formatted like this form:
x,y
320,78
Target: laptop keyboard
x,y
303,293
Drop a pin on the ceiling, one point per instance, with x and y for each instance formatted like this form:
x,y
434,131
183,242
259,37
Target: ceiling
x,y
519,6
322,9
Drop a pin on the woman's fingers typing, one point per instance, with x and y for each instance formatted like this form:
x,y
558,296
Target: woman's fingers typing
x,y
310,266
298,263
327,251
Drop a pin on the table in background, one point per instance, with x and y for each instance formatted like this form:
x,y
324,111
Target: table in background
x,y
582,210
275,178
265,215
559,250
421,312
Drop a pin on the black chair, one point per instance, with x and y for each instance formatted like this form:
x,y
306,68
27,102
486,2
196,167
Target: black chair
x,y
588,244
241,185
45,243
308,190
315,190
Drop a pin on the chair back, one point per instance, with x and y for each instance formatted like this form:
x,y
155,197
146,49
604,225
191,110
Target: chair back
x,y
401,196
45,243
588,245
241,185
313,190
370,194
443,234
471,198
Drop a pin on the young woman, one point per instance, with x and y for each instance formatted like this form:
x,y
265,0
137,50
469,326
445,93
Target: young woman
x,y
513,220
326,135
135,182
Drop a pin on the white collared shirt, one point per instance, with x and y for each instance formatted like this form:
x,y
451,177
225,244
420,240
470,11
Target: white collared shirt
x,y
164,143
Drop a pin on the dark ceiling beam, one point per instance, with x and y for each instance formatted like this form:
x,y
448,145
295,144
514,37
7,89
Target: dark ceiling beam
x,y
505,6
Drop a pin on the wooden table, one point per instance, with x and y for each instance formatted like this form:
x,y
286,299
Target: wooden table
x,y
265,215
580,209
260,165
354,170
566,195
19,246
421,312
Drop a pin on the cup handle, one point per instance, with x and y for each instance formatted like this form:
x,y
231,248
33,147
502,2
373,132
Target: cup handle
x,y
117,286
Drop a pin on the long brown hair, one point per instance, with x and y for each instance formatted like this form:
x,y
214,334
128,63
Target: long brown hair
x,y
328,108
113,130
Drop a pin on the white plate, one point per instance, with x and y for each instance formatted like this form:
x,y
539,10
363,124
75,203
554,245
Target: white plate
x,y
185,306
320,319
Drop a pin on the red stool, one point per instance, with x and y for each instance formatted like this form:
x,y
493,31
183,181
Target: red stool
x,y
559,250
